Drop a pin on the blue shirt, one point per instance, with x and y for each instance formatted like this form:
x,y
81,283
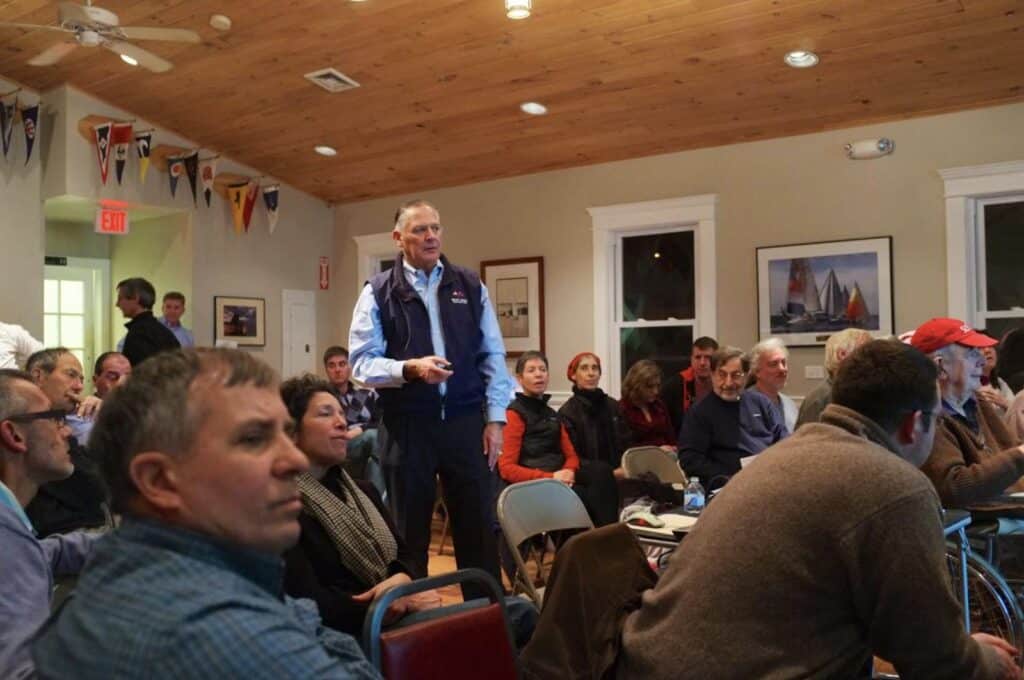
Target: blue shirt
x,y
27,568
367,345
157,601
183,334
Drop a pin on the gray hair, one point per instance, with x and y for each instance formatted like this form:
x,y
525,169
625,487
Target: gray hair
x,y
162,408
402,214
845,341
726,354
764,347
11,401
140,289
45,359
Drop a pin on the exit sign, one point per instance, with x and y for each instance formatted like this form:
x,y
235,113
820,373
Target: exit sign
x,y
111,221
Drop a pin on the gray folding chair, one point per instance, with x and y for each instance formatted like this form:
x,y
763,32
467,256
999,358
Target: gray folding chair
x,y
536,507
643,459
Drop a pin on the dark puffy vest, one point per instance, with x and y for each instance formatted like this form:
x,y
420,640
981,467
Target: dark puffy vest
x,y
406,327
542,440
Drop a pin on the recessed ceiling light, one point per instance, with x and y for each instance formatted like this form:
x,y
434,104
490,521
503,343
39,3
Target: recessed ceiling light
x,y
801,58
517,9
533,108
325,150
131,61
221,22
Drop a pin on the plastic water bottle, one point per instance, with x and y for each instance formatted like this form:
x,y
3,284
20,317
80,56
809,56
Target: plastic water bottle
x,y
693,496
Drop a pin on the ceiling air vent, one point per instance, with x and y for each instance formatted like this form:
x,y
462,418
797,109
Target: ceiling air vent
x,y
331,80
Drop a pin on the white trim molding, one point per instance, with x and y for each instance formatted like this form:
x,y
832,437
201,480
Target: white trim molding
x,y
964,186
611,222
369,249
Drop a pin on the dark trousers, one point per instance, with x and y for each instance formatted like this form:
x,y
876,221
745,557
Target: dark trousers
x,y
596,487
418,448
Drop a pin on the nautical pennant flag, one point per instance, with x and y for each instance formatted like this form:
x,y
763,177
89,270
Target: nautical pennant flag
x,y
142,147
207,171
120,138
30,119
7,123
175,169
236,197
191,169
102,134
270,195
252,190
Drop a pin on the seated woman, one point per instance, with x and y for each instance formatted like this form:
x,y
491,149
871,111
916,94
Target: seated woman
x,y
537,446
591,417
643,409
349,552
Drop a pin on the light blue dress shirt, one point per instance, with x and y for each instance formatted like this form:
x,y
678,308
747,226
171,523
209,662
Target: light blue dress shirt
x,y
367,345
183,334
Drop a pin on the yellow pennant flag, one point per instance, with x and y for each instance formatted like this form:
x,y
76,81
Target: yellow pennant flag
x,y
236,196
143,141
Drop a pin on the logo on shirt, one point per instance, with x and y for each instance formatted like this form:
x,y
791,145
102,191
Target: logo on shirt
x,y
459,298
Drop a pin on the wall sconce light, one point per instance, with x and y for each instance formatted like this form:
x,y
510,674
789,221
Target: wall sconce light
x,y
517,9
869,148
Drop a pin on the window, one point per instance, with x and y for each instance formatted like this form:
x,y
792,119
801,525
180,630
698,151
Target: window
x,y
999,224
654,282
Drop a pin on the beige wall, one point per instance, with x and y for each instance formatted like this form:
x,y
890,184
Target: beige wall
x,y
75,239
775,192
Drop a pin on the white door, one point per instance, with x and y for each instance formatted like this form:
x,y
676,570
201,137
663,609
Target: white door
x,y
299,332
74,309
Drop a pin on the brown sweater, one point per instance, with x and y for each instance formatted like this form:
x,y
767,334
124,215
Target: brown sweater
x,y
826,548
973,471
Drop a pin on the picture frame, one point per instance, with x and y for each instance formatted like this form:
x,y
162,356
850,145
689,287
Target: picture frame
x,y
516,288
239,320
808,291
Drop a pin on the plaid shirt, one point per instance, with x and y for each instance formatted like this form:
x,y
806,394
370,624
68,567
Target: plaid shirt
x,y
360,407
157,601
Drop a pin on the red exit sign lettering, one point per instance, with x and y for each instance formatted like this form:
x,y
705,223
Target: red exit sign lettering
x,y
110,221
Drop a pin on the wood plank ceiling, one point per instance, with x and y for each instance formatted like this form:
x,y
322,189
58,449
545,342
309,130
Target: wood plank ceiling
x,y
442,80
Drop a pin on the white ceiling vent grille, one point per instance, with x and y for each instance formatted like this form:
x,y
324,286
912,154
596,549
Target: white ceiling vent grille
x,y
331,80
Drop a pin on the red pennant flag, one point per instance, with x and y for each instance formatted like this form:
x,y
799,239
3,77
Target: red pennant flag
x,y
252,190
121,139
102,133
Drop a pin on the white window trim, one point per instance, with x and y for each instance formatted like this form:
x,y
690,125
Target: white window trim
x,y
964,188
610,222
369,249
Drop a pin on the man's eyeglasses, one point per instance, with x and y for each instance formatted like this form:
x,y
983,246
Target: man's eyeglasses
x,y
735,376
57,415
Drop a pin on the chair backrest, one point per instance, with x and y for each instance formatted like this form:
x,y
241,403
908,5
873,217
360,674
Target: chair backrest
x,y
467,643
643,459
538,506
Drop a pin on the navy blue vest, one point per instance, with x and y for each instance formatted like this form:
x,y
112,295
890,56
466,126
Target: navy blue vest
x,y
406,327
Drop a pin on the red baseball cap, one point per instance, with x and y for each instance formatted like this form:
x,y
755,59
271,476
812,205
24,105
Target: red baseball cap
x,y
937,333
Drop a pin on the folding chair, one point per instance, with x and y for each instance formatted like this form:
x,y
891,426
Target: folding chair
x,y
460,642
536,507
643,459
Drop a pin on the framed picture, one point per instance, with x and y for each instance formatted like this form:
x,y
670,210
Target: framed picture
x,y
808,291
516,288
242,320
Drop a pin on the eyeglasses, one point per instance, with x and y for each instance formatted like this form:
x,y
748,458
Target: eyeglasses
x,y
57,415
735,376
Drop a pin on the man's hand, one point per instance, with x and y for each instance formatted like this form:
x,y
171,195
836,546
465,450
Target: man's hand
x,y
1004,652
492,442
398,608
427,369
89,407
354,432
567,477
992,396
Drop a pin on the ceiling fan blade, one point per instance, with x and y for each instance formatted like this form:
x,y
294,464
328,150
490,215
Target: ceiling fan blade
x,y
35,27
145,58
51,55
74,13
149,33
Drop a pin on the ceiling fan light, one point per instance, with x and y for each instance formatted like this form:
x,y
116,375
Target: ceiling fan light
x,y
517,9
801,59
131,61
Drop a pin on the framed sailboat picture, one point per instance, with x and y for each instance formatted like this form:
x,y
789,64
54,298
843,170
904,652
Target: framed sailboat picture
x,y
809,291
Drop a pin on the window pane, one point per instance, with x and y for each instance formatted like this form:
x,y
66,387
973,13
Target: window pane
x,y
668,346
51,330
72,297
81,356
51,297
72,331
658,277
997,328
1004,251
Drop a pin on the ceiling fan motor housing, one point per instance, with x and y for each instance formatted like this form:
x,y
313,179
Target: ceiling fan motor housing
x,y
87,16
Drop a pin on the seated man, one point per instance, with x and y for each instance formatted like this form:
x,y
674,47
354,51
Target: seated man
x,y
33,450
837,347
686,388
975,459
79,501
823,552
111,369
769,371
727,425
200,463
362,416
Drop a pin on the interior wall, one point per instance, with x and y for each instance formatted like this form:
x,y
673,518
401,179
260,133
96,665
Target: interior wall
x,y
75,239
775,192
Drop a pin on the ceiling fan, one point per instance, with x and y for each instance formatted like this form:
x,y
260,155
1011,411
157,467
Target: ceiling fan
x,y
95,26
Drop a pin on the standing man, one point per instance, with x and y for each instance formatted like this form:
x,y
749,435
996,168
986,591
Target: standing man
x,y
425,335
174,309
362,416
690,385
146,336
